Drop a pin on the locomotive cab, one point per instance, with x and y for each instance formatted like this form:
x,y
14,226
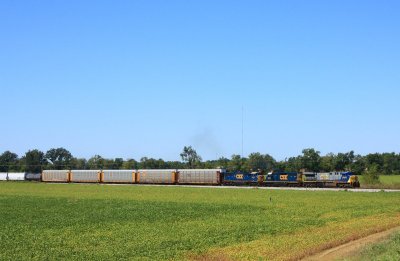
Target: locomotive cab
x,y
353,181
348,179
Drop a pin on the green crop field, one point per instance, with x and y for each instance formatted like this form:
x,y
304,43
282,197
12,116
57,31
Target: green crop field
x,y
41,221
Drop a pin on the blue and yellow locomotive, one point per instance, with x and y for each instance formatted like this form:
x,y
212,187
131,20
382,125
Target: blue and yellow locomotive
x,y
292,179
242,178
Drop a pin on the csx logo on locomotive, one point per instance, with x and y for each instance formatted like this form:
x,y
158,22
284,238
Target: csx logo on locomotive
x,y
239,176
284,177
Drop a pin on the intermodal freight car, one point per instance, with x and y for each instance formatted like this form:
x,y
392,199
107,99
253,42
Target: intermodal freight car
x,y
156,176
118,176
85,176
199,176
56,175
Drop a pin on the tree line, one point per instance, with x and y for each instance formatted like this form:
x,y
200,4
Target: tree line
x,y
310,160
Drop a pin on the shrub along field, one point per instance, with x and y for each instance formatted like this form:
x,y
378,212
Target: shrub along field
x,y
97,222
385,181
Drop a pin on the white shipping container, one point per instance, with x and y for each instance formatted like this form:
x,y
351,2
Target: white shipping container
x,y
119,176
85,176
55,175
199,176
16,176
3,176
160,176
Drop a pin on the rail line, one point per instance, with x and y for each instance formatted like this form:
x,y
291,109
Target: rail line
x,y
242,187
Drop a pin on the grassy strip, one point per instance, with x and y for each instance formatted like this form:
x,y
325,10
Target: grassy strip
x,y
385,181
94,222
387,250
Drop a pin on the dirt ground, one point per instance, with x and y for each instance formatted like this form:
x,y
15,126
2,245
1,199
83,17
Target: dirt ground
x,y
352,248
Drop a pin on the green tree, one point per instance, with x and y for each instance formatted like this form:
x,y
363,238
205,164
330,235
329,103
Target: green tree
x,y
118,162
222,162
371,176
293,164
391,163
358,165
258,161
9,162
175,165
343,160
237,163
34,161
150,163
59,158
130,164
328,162
96,162
190,156
78,163
374,159
109,164
311,160
113,163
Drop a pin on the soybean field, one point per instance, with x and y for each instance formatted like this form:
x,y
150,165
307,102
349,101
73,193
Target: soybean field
x,y
42,221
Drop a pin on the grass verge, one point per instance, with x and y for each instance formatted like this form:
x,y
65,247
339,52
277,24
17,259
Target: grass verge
x,y
386,250
385,181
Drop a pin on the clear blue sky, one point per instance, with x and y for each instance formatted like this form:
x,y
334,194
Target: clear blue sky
x,y
145,78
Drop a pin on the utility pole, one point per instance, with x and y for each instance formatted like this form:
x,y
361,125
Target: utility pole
x,y
242,128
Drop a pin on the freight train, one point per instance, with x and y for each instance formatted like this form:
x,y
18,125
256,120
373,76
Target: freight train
x,y
193,177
